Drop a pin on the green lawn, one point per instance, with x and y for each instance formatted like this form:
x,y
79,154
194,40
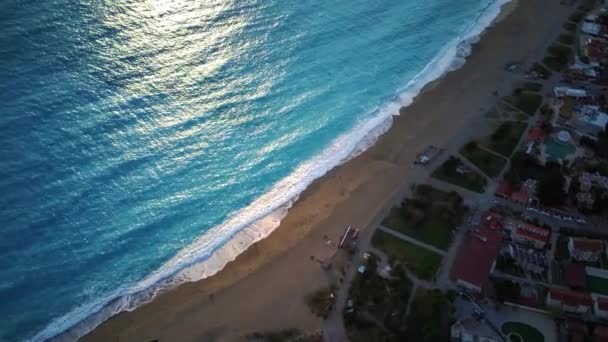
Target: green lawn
x,y
567,39
422,262
597,285
557,57
427,193
526,102
527,332
471,180
432,230
429,216
505,138
533,86
487,162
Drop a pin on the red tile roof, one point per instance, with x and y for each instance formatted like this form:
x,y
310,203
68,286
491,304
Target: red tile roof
x,y
575,276
537,134
575,325
602,304
527,301
520,196
477,255
504,189
571,298
533,232
587,245
601,332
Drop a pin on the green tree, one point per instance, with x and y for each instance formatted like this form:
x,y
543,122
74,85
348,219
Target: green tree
x,y
507,290
551,186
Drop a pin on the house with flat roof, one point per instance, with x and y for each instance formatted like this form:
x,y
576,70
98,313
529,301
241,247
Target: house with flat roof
x,y
590,120
569,92
591,28
585,250
569,301
477,256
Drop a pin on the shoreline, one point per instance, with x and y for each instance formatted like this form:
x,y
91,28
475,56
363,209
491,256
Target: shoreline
x,y
202,265
376,173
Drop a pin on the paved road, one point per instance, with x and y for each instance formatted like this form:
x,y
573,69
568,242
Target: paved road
x,y
411,240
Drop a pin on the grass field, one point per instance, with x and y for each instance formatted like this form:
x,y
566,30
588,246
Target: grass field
x,y
448,172
527,333
422,262
505,138
429,216
487,162
433,230
526,102
533,86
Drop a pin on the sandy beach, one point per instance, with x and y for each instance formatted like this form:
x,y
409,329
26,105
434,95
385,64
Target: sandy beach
x,y
265,287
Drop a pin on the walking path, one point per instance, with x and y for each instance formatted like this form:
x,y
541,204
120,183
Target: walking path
x,y
411,240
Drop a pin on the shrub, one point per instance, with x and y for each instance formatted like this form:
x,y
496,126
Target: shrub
x,y
321,301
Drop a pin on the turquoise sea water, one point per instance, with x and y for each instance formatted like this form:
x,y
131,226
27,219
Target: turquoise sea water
x,y
141,139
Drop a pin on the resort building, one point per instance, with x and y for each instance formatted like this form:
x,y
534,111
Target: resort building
x,y
596,50
529,260
601,308
575,276
569,92
586,250
476,259
590,120
589,180
528,234
600,333
569,301
469,330
591,28
577,330
585,200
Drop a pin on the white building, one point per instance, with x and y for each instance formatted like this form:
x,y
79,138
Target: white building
x,y
600,307
591,28
567,91
590,120
469,330
586,250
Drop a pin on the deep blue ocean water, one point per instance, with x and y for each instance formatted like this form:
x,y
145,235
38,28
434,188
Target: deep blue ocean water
x,y
139,136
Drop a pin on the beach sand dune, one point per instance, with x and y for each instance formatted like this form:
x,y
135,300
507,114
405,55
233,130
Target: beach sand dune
x,y
264,288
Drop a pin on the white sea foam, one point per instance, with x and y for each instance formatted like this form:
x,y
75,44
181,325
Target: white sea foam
x,y
204,258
